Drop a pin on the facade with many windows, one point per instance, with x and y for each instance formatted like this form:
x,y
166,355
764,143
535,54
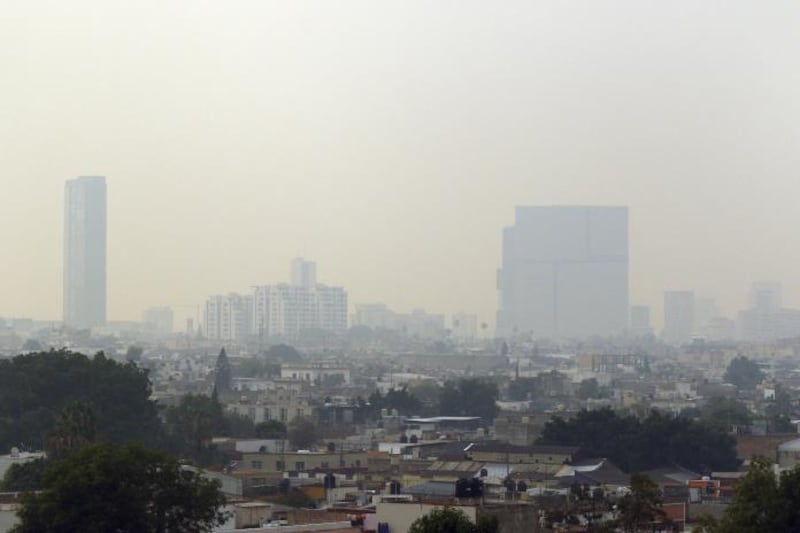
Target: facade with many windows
x,y
228,317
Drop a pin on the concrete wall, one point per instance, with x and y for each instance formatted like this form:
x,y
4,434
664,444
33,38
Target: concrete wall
x,y
400,516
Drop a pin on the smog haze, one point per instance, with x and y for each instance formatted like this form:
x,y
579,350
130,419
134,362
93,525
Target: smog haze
x,y
391,142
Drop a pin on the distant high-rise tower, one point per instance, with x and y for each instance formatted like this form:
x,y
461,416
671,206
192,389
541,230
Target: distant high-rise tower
x,y
564,272
304,273
85,252
678,316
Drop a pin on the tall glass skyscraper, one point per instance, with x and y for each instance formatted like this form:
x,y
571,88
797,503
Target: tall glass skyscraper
x,y
564,273
85,252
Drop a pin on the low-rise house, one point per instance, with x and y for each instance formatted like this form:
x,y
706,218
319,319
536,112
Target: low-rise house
x,y
500,452
304,461
281,405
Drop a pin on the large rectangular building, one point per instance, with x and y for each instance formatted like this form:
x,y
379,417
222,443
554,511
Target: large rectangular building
x,y
228,317
284,310
678,317
84,302
564,273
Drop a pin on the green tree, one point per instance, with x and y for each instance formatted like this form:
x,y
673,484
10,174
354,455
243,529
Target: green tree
x,y
222,373
191,425
781,424
332,380
238,426
400,399
641,506
724,413
23,477
427,392
103,488
450,520
779,412
271,429
74,428
522,389
302,433
134,354
763,501
636,444
34,388
743,373
283,353
757,503
469,397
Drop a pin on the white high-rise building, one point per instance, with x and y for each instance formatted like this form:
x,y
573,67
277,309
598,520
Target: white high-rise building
x,y
84,304
564,273
375,316
286,310
304,273
228,317
331,308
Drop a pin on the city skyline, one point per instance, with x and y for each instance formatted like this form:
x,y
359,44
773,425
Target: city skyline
x,y
237,139
303,272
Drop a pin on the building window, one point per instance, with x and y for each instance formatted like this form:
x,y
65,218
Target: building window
x,y
279,466
256,465
300,466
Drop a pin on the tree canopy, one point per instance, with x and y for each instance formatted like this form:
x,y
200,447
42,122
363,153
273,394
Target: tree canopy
x,y
451,520
743,373
302,433
724,413
35,387
283,353
23,477
545,385
270,429
191,425
469,397
400,399
222,373
762,502
635,444
74,428
103,488
641,506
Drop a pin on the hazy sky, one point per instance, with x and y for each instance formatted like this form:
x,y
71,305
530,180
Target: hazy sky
x,y
390,142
